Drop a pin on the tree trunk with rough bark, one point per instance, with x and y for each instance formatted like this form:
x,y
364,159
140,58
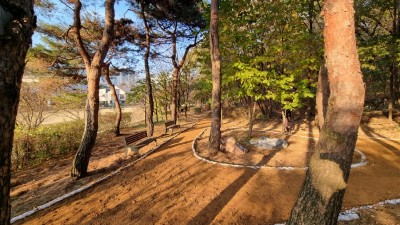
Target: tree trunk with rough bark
x,y
156,110
149,90
174,102
322,94
395,37
82,156
252,109
117,124
320,198
391,92
17,22
215,133
93,65
166,111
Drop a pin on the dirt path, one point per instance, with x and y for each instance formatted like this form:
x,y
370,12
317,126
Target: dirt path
x,y
173,187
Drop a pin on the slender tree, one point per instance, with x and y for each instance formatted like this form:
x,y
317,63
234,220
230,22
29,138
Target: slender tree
x,y
118,118
93,66
17,22
177,19
178,64
149,90
320,199
215,133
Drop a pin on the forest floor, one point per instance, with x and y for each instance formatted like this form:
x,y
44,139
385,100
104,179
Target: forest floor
x,y
171,186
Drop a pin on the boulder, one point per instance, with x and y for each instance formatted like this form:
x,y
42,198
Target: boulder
x,y
269,143
233,147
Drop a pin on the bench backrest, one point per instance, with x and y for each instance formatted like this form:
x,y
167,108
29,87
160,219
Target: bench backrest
x,y
169,123
135,137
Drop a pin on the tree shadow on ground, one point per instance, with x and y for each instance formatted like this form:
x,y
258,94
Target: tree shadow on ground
x,y
370,132
208,213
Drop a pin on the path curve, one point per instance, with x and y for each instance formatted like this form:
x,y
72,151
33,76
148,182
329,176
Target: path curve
x,y
173,187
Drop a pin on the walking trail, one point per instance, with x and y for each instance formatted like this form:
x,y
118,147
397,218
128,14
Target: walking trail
x,y
171,186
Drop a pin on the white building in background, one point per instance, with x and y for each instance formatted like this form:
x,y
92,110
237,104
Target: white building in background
x,y
106,98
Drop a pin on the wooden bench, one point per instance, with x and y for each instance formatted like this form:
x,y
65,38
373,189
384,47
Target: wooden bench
x,y
136,141
170,125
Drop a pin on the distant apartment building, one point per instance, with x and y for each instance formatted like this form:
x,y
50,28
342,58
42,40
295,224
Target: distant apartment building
x,y
107,100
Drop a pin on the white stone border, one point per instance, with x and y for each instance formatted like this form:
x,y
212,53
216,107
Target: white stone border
x,y
93,183
362,162
353,213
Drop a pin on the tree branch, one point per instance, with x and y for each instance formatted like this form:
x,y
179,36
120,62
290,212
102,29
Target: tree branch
x,y
108,33
76,33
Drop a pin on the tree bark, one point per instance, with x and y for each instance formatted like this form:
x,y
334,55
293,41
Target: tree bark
x,y
156,110
391,92
116,100
394,71
252,109
396,36
174,102
215,133
149,91
322,94
166,111
320,199
93,67
17,22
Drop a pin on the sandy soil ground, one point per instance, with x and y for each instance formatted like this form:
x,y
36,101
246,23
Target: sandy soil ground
x,y
171,186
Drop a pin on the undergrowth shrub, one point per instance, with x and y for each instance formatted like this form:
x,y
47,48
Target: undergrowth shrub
x,y
107,121
48,141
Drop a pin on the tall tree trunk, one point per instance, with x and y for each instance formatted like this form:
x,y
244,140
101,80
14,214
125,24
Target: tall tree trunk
x,y
116,100
391,92
145,112
166,110
322,94
93,65
396,33
149,90
393,74
156,110
320,199
215,133
82,156
252,109
177,67
17,23
174,102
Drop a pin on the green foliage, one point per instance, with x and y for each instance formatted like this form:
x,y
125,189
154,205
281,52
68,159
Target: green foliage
x,y
289,88
35,146
267,52
138,93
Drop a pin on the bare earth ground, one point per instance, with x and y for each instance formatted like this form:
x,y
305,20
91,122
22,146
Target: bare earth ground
x,y
171,186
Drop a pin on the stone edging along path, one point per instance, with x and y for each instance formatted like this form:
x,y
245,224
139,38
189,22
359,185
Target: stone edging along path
x,y
347,215
95,182
363,161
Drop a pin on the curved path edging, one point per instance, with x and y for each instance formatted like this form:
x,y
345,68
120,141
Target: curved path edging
x,y
362,162
93,183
